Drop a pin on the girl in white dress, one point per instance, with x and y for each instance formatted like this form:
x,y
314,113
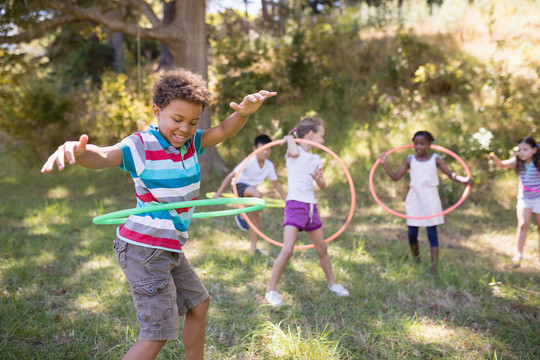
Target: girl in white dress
x,y
423,196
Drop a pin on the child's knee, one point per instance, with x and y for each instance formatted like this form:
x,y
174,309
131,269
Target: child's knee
x,y
524,226
200,309
321,249
286,253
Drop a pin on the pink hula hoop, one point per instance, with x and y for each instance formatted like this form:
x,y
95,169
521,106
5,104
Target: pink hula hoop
x,y
314,144
444,212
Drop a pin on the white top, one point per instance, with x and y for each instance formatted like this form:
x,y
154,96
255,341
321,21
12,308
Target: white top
x,y
252,174
299,179
424,173
423,196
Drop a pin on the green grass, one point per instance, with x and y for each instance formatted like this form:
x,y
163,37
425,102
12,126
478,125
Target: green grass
x,y
62,295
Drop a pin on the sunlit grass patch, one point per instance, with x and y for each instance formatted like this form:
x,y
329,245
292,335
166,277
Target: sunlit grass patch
x,y
38,221
280,341
59,192
443,339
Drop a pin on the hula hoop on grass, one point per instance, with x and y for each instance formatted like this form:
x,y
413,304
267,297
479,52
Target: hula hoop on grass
x,y
119,217
278,203
314,144
444,212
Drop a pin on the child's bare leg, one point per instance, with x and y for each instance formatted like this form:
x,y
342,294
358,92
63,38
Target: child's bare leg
x,y
317,238
194,330
289,238
524,216
144,350
250,191
253,237
537,219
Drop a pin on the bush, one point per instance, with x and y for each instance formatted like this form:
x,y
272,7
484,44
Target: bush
x,y
39,117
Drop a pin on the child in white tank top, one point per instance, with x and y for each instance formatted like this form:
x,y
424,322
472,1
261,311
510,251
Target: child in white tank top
x,y
423,196
301,206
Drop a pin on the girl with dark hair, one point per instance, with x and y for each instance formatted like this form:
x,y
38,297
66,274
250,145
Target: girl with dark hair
x,y
527,164
423,196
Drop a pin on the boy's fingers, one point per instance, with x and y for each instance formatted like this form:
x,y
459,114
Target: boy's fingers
x,y
267,93
49,164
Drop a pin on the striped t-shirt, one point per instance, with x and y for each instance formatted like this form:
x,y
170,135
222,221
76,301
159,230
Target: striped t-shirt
x,y
529,182
162,174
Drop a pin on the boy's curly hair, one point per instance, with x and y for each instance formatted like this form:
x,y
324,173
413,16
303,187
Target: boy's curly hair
x,y
181,84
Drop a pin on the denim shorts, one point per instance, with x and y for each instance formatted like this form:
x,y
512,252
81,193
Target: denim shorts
x,y
302,215
240,187
163,285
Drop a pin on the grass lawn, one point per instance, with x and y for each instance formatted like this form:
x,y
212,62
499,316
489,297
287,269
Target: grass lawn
x,y
62,295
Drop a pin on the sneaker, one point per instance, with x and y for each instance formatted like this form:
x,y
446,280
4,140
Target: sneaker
x,y
432,272
260,252
339,290
242,224
517,258
273,298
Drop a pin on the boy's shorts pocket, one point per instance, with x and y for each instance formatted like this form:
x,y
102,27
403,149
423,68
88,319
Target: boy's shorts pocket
x,y
120,247
153,300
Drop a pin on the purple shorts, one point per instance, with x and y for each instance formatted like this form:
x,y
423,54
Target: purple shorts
x,y
298,214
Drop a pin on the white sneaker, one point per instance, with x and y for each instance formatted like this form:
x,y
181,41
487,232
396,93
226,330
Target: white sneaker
x,y
517,258
339,290
273,298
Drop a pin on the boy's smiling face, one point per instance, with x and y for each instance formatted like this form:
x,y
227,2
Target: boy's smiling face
x,y
262,155
178,121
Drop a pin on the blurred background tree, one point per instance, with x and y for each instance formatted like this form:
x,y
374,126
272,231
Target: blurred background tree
x,y
376,71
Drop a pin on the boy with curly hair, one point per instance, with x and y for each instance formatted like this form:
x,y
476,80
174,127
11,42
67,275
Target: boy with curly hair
x,y
163,162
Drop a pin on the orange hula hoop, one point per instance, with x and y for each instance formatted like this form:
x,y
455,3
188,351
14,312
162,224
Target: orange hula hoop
x,y
434,147
314,144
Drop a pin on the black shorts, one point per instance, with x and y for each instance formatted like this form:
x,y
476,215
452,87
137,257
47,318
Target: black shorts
x,y
240,187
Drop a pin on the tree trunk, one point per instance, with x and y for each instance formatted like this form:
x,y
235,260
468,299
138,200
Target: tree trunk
x,y
116,42
191,52
166,58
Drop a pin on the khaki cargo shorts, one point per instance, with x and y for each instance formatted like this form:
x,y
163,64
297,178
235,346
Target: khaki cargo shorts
x,y
164,286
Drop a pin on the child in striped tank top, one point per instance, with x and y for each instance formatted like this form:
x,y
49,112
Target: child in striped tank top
x,y
527,164
423,196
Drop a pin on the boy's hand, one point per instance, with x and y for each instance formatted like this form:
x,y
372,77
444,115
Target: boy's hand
x,y
252,102
70,150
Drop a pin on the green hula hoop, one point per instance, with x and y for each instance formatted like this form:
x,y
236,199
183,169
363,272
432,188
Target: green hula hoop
x,y
277,203
119,217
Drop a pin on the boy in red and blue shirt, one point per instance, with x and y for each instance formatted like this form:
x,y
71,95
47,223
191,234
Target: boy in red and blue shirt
x,y
163,162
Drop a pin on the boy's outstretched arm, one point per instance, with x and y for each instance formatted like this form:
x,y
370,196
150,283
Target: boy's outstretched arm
x,y
226,182
87,155
277,186
236,121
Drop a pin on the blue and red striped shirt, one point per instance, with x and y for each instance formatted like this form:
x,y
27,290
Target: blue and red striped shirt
x,y
162,174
